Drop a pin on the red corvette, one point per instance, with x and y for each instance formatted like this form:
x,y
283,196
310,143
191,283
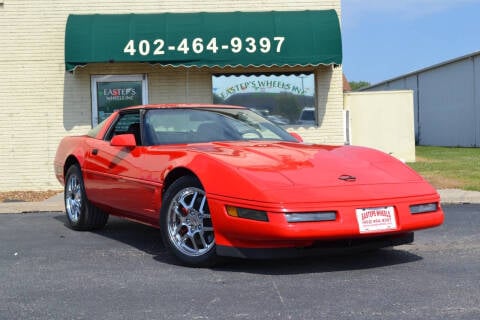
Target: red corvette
x,y
223,181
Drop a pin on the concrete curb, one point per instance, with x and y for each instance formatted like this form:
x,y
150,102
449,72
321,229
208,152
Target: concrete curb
x,y
55,204
27,207
457,196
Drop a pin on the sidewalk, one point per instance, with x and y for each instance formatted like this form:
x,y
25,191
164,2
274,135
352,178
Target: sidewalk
x,y
55,204
458,196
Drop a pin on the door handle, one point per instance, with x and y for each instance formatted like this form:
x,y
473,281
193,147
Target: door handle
x,y
94,152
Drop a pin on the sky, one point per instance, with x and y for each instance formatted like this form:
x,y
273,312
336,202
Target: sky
x,y
383,39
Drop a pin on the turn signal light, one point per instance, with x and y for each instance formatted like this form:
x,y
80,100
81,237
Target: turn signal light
x,y
246,213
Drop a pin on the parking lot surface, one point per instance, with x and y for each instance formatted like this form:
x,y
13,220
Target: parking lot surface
x,y
124,272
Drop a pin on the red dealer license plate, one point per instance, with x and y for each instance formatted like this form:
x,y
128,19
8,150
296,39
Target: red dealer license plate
x,y
376,219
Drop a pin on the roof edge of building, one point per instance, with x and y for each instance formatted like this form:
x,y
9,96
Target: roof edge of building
x,y
434,66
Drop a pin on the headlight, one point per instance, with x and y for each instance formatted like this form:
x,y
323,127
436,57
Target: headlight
x,y
246,213
311,216
425,207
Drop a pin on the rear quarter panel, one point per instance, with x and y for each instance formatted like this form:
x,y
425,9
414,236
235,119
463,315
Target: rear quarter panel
x,y
69,147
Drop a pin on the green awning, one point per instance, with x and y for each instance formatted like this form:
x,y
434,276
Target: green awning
x,y
275,38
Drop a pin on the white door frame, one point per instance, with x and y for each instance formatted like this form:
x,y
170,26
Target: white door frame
x,y
112,78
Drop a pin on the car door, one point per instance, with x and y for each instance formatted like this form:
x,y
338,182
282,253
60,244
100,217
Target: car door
x,y
115,175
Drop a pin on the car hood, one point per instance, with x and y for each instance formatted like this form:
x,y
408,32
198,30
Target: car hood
x,y
283,168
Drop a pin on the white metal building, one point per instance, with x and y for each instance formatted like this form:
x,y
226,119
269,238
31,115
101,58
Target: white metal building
x,y
446,101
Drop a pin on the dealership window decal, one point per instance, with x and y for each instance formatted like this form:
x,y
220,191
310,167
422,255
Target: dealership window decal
x,y
285,99
113,92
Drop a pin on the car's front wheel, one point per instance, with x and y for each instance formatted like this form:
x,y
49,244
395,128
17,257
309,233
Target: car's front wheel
x,y
186,224
81,213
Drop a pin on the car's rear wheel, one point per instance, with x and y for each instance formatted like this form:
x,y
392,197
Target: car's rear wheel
x,y
186,224
81,213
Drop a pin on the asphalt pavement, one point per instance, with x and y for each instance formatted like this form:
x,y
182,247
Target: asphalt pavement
x,y
49,271
55,203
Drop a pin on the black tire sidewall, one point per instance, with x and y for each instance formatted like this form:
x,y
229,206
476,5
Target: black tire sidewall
x,y
206,260
79,225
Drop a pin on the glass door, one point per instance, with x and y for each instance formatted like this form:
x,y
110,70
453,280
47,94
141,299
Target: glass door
x,y
113,92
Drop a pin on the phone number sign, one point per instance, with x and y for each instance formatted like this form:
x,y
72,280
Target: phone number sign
x,y
159,47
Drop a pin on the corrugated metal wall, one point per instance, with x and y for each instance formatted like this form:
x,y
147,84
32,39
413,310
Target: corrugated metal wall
x,y
446,102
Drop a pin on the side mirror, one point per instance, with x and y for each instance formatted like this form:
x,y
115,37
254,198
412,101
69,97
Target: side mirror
x,y
124,140
296,136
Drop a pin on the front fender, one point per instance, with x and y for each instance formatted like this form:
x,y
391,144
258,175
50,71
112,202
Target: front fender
x,y
222,179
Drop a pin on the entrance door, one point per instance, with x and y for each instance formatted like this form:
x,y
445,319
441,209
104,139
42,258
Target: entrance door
x,y
113,92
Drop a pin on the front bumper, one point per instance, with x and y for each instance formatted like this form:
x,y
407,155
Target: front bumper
x,y
239,236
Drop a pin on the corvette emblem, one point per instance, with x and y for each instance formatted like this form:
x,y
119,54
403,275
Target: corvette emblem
x,y
347,177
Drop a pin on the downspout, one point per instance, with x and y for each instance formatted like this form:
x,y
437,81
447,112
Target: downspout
x,y
419,127
476,106
187,79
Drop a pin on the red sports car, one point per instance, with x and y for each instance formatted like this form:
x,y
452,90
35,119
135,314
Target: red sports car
x,y
223,181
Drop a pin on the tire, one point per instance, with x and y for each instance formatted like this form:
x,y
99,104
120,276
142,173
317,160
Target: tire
x,y
186,224
81,213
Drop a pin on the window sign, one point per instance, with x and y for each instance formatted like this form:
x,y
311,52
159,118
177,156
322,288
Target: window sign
x,y
283,99
110,93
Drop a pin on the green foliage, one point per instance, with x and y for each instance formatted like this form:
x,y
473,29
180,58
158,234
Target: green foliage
x,y
447,167
284,104
355,85
218,100
287,106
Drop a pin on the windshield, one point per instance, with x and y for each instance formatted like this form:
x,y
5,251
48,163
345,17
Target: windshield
x,y
167,126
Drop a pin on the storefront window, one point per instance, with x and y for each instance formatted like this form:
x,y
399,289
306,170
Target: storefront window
x,y
110,93
283,99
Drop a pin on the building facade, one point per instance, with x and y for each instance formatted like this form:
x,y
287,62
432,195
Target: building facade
x,y
64,65
446,101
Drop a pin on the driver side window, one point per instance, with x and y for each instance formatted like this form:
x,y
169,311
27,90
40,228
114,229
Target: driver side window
x,y
126,123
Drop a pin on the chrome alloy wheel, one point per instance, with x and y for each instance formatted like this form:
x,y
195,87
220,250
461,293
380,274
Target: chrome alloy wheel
x,y
189,223
73,198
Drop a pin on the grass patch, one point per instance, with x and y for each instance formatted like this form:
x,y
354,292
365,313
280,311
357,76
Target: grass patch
x,y
446,167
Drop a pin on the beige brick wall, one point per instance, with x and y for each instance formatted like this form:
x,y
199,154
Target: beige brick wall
x,y
40,103
329,87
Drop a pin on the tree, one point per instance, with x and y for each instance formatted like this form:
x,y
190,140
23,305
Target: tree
x,y
287,106
217,99
355,85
